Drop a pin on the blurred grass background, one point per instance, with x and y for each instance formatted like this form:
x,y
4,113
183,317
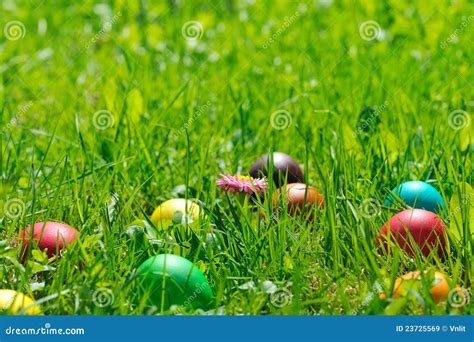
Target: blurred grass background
x,y
135,62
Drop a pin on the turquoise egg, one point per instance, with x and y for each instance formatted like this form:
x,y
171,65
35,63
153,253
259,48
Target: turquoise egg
x,y
419,195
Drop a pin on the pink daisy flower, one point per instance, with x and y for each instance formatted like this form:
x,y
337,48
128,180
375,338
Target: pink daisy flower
x,y
239,183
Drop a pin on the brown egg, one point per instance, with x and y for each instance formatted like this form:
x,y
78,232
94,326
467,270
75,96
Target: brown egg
x,y
300,198
285,169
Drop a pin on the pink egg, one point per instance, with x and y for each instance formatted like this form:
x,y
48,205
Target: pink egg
x,y
414,227
50,236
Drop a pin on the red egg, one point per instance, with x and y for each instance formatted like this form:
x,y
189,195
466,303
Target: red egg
x,y
421,227
50,236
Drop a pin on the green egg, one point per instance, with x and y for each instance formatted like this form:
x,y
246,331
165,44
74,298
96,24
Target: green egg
x,y
169,279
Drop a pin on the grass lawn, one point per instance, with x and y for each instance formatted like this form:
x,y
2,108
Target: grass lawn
x,y
110,108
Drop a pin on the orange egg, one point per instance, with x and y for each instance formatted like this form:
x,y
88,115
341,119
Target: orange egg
x,y
300,198
439,290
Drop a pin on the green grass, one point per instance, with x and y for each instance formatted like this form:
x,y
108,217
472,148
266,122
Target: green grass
x,y
184,112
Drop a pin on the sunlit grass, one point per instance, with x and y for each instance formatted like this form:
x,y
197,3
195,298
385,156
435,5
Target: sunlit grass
x,y
365,116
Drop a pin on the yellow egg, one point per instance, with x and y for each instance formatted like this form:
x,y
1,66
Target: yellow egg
x,y
177,210
13,302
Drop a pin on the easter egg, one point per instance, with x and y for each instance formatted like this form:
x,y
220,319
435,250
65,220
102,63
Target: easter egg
x,y
12,302
299,198
173,280
177,210
438,282
418,194
51,237
285,169
414,227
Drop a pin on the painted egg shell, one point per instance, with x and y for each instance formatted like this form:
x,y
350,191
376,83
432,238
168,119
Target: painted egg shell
x,y
284,169
299,197
177,210
422,227
12,302
184,284
418,194
439,289
50,236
